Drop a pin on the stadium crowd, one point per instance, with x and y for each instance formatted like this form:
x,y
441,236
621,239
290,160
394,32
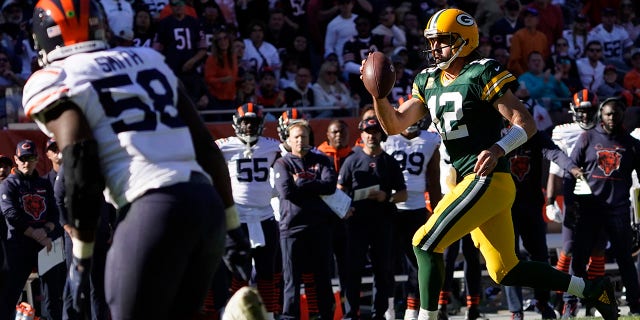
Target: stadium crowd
x,y
245,61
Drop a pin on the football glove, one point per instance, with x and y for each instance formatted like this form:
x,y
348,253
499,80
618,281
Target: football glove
x,y
554,213
237,255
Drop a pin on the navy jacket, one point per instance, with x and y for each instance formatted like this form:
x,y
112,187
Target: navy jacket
x,y
300,203
27,201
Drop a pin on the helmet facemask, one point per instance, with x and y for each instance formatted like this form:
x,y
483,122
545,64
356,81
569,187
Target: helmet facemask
x,y
248,128
455,43
585,117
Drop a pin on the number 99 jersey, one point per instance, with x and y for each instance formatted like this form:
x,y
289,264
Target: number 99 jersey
x,y
129,99
413,156
463,111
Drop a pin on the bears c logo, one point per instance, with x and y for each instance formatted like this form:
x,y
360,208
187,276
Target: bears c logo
x,y
34,205
465,20
520,166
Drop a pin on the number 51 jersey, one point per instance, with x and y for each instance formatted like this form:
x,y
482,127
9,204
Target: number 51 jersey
x,y
129,98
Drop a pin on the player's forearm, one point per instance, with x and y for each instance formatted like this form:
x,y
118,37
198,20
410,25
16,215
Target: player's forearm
x,y
388,117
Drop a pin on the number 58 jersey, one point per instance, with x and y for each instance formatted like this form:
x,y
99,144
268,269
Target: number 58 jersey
x,y
129,98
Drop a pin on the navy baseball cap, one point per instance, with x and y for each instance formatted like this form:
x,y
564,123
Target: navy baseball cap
x,y
371,123
26,148
51,143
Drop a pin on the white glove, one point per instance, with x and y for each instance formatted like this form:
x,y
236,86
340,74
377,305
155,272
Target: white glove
x,y
554,213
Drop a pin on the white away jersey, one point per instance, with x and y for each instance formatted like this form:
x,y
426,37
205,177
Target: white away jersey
x,y
564,136
250,172
129,97
413,156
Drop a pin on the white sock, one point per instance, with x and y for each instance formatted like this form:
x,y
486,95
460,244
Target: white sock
x,y
427,315
410,314
576,287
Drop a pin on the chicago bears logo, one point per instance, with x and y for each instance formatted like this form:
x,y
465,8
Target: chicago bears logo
x,y
608,161
34,205
520,166
465,19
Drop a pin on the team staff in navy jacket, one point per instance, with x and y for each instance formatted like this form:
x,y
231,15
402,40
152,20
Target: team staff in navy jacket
x,y
608,155
305,220
29,209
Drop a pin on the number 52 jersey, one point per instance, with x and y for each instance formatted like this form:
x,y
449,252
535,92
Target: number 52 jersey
x,y
129,98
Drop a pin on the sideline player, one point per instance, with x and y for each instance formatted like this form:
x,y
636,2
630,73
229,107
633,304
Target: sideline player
x,y
467,96
417,153
250,157
124,123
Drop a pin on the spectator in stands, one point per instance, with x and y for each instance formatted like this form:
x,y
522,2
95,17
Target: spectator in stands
x,y
268,93
545,85
577,36
629,19
355,50
485,48
525,41
299,50
277,31
305,236
591,68
183,53
247,89
248,12
221,74
415,40
610,87
211,21
501,54
340,29
299,93
608,155
238,49
260,54
503,29
404,80
288,72
570,76
560,49
487,13
632,77
394,35
614,39
551,14
370,170
143,28
9,80
330,91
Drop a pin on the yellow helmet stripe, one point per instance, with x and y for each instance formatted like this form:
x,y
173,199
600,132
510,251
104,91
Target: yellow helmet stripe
x,y
496,84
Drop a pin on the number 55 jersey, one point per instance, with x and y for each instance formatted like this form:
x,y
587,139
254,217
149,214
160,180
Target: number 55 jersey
x,y
129,98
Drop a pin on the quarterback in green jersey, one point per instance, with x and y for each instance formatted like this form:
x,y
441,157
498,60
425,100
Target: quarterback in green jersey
x,y
466,98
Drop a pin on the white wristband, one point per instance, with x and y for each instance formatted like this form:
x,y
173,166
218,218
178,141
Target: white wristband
x,y
233,221
81,249
515,137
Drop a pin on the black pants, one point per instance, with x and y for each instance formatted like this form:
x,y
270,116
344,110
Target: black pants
x,y
369,233
165,251
307,251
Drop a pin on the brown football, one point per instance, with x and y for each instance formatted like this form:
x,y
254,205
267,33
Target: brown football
x,y
378,75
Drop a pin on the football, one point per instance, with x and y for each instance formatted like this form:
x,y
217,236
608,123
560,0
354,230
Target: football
x,y
378,75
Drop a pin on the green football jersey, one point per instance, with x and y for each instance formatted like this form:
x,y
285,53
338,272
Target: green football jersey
x,y
463,111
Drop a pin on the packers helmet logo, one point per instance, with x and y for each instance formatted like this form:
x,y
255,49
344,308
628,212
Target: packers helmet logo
x,y
71,14
465,19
